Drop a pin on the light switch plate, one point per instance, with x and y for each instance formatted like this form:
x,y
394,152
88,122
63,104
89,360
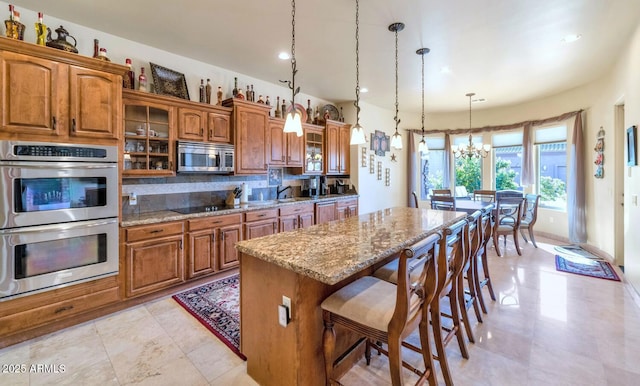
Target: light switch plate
x,y
283,315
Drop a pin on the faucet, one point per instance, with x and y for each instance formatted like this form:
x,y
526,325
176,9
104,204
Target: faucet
x,y
278,191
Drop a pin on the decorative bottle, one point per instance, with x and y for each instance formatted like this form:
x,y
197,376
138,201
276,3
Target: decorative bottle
x,y
309,111
234,92
102,55
253,94
15,29
341,118
142,80
41,31
277,113
260,100
202,96
248,94
129,80
284,109
219,95
96,48
240,95
268,103
208,91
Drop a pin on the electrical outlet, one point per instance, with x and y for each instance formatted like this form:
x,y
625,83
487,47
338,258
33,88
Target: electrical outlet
x,y
287,303
133,199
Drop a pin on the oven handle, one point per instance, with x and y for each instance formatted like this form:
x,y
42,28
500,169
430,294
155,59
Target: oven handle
x,y
59,165
62,227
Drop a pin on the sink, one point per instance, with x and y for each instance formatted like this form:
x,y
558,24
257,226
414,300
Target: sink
x,y
262,203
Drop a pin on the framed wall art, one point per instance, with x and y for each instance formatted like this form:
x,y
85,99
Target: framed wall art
x,y
380,143
631,146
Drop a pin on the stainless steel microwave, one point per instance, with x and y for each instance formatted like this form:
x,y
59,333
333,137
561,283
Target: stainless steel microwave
x,y
201,157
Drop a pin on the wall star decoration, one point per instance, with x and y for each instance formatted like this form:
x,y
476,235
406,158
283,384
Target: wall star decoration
x,y
393,158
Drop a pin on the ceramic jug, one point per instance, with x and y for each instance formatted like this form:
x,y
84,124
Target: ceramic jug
x,y
61,42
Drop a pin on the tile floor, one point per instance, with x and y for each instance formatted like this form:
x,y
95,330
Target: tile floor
x,y
546,328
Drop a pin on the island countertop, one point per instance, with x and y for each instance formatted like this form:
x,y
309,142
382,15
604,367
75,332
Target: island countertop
x,y
336,250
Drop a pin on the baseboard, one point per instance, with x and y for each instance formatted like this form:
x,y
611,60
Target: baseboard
x,y
587,247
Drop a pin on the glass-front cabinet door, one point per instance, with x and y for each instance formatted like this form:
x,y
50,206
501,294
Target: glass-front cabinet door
x,y
314,150
147,139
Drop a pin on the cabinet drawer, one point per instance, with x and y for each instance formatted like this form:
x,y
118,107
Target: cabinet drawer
x,y
346,203
296,209
147,232
55,311
261,215
214,222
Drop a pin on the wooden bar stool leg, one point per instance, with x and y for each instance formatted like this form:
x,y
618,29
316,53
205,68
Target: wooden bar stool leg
x,y
436,327
427,357
471,282
485,268
455,316
395,360
329,345
464,315
478,285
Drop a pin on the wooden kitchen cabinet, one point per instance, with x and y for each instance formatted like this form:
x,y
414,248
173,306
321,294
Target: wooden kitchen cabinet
x,y
53,95
204,124
296,216
154,257
250,125
313,149
347,208
211,244
260,223
325,211
287,149
337,139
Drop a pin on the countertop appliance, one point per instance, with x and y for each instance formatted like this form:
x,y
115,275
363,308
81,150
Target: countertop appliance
x,y
201,157
58,215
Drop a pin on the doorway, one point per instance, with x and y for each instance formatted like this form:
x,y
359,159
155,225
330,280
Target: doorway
x,y
619,178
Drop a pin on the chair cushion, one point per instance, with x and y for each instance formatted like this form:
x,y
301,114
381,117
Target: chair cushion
x,y
389,271
505,228
369,301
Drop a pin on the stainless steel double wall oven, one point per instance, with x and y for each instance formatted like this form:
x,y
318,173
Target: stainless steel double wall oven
x,y
58,215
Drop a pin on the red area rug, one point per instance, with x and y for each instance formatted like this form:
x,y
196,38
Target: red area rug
x,y
586,267
217,306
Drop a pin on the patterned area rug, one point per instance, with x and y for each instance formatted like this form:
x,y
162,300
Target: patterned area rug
x,y
570,251
587,267
217,306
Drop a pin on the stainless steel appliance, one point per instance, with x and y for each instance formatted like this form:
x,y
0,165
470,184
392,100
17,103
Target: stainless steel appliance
x,y
205,157
58,215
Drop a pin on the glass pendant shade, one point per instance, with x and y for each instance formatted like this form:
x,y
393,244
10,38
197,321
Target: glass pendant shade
x,y
396,141
293,124
357,135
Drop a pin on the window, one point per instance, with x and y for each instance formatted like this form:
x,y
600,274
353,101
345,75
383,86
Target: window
x,y
468,170
551,147
508,161
432,167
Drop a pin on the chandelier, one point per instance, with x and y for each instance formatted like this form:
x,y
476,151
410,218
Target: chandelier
x,y
396,139
357,133
423,149
293,122
471,150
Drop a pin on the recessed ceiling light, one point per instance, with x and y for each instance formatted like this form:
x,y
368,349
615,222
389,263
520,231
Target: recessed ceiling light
x,y
571,38
284,56
364,89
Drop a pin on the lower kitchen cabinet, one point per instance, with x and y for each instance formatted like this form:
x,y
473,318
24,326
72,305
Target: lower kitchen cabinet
x,y
212,244
325,212
347,208
260,223
296,216
154,257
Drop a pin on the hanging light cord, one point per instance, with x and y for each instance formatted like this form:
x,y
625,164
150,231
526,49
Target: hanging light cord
x,y
396,117
470,95
357,102
292,83
422,96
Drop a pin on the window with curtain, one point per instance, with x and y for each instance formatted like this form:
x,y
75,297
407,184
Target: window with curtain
x,y
468,171
551,150
507,158
432,167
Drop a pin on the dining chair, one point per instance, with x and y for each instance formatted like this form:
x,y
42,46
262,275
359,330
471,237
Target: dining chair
x,y
415,199
508,216
484,195
386,313
482,263
529,217
441,192
443,203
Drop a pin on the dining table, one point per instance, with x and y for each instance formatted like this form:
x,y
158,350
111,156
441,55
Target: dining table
x,y
470,206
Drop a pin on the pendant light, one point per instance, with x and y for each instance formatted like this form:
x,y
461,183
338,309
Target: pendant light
x,y
396,139
293,122
472,150
357,133
422,146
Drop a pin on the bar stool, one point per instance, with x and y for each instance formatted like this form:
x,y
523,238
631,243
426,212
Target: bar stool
x,y
387,313
467,295
482,261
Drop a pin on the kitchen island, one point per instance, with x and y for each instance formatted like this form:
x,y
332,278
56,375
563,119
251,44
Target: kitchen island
x,y
306,266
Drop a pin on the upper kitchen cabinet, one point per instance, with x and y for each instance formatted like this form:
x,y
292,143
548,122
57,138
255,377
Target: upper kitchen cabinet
x,y
314,149
250,125
286,148
49,94
204,123
337,147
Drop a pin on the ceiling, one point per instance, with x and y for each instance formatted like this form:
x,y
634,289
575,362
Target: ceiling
x,y
506,51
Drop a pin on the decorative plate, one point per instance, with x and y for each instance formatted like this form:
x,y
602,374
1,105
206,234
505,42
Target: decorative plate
x,y
334,115
169,82
300,109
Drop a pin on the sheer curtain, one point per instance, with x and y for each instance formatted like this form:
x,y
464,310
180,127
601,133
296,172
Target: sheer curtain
x,y
528,173
446,173
575,186
412,170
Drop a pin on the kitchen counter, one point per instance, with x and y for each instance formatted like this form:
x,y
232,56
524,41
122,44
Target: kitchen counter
x,y
170,215
334,251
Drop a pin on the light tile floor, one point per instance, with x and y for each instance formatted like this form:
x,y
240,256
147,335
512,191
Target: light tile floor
x,y
546,328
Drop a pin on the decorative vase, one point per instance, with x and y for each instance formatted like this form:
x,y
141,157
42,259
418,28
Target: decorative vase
x,y
309,111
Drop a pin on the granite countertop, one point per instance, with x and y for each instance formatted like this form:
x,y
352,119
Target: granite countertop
x,y
169,215
333,251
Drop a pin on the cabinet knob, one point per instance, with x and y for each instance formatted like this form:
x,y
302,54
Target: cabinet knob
x,y
201,131
53,122
73,125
